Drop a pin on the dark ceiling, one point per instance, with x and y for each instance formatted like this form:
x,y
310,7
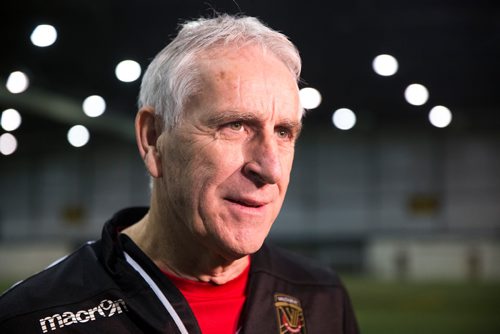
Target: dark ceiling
x,y
452,47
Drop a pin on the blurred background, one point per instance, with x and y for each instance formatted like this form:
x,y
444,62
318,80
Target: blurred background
x,y
396,182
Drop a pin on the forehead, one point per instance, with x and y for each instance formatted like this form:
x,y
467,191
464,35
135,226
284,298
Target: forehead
x,y
249,78
243,60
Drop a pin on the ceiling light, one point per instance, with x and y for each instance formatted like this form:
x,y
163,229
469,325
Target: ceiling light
x,y
94,106
128,71
344,119
310,98
385,65
440,116
416,94
17,82
8,144
10,119
43,35
78,136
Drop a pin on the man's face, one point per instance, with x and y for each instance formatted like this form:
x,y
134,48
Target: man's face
x,y
226,167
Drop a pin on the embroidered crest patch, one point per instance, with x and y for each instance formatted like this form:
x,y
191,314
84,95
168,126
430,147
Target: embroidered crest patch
x,y
290,315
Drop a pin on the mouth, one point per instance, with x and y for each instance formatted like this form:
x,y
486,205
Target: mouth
x,y
246,202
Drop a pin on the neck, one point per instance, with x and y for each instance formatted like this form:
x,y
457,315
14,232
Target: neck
x,y
174,250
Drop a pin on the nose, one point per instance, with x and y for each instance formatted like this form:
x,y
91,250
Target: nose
x,y
263,164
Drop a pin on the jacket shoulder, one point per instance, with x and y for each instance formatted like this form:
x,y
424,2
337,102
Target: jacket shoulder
x,y
291,267
64,282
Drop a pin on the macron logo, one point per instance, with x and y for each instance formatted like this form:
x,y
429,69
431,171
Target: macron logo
x,y
106,309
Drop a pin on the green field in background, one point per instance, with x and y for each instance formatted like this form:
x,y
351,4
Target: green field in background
x,y
421,308
425,308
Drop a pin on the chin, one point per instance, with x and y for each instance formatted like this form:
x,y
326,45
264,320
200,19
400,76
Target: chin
x,y
251,245
235,239
241,248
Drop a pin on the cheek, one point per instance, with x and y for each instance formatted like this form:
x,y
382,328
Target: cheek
x,y
182,172
209,170
223,161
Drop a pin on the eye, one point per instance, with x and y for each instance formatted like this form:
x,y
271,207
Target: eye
x,y
236,126
283,133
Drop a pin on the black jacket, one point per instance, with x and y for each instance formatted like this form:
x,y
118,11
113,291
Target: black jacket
x,y
111,286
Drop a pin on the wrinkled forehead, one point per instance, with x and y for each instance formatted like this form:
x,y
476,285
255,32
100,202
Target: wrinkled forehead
x,y
240,50
246,70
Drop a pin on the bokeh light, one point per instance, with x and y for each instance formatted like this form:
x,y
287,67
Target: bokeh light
x,y
128,71
344,119
78,136
416,94
385,65
94,106
17,82
310,98
440,116
10,119
8,144
43,35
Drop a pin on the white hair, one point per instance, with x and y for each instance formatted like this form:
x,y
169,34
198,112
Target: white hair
x,y
172,76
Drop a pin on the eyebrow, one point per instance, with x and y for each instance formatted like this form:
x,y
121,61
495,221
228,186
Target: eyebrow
x,y
231,115
293,125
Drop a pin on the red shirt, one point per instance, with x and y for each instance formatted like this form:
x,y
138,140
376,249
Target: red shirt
x,y
217,308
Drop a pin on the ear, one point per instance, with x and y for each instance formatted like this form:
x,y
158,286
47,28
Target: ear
x,y
147,132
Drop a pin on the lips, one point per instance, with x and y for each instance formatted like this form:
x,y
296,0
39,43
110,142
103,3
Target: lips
x,y
246,201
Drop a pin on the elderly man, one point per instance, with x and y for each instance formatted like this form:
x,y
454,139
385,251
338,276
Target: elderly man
x,y
218,118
